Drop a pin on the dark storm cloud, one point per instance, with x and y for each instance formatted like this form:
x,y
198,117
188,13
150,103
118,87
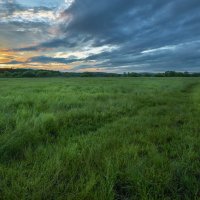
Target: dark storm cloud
x,y
14,62
50,44
185,56
136,26
46,59
150,35
116,21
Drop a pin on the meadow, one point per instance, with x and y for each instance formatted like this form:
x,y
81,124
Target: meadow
x,y
100,138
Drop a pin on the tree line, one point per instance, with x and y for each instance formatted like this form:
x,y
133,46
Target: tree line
x,y
30,73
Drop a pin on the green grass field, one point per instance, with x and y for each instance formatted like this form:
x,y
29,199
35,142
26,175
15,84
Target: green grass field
x,y
100,138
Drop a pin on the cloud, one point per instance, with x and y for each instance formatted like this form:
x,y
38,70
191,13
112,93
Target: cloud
x,y
30,16
142,35
46,59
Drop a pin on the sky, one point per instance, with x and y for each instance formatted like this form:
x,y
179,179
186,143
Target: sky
x,y
100,35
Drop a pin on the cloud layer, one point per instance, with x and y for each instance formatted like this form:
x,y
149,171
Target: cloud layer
x,y
114,35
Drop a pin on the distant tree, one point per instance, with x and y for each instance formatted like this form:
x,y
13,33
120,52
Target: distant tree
x,y
170,73
16,75
7,74
28,74
87,74
42,74
186,74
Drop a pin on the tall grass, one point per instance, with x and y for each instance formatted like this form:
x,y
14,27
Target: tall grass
x,y
100,138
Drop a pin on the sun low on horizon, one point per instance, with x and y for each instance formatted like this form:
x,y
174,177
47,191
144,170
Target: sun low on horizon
x,y
100,36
